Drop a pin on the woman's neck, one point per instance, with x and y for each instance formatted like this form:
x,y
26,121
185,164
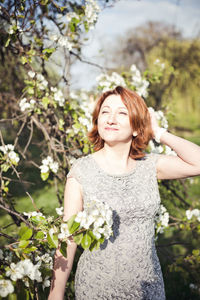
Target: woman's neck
x,y
118,153
115,159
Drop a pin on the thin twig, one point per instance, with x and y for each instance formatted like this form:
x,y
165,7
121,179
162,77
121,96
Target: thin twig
x,y
19,132
33,202
11,212
29,139
7,236
172,244
89,62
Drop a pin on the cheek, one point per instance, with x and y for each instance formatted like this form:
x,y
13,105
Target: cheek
x,y
100,121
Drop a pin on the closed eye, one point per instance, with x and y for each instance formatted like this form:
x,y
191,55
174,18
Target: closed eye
x,y
105,112
123,113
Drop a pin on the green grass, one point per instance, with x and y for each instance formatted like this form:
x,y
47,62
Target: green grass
x,y
45,200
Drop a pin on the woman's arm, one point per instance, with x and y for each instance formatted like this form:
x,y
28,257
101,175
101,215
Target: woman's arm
x,y
187,161
62,266
185,164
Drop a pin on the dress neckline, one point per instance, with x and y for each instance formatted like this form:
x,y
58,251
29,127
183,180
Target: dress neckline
x,y
95,163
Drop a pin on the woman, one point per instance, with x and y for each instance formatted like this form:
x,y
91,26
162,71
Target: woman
x,y
121,174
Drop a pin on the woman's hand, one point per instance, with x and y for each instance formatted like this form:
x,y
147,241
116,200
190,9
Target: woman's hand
x,y
157,130
154,123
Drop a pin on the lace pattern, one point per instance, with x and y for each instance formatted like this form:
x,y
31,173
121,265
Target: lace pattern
x,y
126,266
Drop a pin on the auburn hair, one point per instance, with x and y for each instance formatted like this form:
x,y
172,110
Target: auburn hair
x,y
139,116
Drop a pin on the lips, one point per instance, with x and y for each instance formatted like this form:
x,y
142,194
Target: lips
x,y
111,129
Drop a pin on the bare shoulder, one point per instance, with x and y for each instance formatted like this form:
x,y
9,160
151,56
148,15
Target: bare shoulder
x,y
73,198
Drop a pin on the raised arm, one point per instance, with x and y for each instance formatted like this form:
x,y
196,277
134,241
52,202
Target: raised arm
x,y
187,161
62,266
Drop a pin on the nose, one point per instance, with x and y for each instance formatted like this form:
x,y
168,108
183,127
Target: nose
x,y
111,119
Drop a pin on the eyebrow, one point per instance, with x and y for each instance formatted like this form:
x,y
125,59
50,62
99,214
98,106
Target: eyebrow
x,y
121,107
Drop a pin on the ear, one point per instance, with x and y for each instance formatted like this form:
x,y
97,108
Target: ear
x,y
135,133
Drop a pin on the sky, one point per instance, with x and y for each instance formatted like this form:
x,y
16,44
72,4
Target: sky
x,y
125,15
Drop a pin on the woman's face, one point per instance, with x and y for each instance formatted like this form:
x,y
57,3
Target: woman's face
x,y
113,121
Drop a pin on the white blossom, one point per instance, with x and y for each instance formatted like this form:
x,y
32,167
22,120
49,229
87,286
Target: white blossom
x,y
33,214
97,216
27,268
84,121
54,89
194,287
31,74
106,82
54,167
193,213
6,287
161,219
92,10
53,230
42,83
44,169
8,150
64,231
98,232
72,15
140,83
54,37
47,161
46,282
59,97
14,272
26,104
48,164
63,41
59,210
46,259
13,27
1,255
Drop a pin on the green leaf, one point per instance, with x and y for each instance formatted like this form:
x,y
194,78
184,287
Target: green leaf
x,y
94,245
85,148
39,235
25,233
24,60
52,240
196,252
45,102
12,297
20,16
86,241
98,245
63,249
39,220
22,230
30,249
62,8
7,42
23,243
92,235
71,221
72,26
49,50
5,167
78,238
44,176
74,227
44,2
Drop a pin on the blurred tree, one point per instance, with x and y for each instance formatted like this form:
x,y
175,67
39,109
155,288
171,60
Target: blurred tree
x,y
156,46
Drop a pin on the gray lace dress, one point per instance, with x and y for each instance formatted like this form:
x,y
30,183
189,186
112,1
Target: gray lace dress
x,y
126,266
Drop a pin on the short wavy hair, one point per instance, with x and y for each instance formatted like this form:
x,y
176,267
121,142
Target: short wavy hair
x,y
139,116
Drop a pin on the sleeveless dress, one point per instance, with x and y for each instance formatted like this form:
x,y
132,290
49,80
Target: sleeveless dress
x,y
126,266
